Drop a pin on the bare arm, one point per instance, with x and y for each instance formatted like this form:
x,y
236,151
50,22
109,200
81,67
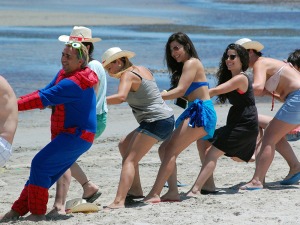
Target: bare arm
x,y
189,71
8,111
238,82
259,78
124,87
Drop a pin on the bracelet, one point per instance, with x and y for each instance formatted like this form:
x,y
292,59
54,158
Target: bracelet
x,y
85,183
164,91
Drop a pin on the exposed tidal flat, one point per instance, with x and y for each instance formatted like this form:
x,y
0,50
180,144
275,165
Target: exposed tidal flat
x,y
29,32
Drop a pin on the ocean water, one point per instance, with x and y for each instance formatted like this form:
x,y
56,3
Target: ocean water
x,y
30,56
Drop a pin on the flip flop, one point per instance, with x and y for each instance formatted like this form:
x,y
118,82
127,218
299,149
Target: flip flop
x,y
93,198
246,188
110,209
292,180
130,196
133,199
206,192
179,184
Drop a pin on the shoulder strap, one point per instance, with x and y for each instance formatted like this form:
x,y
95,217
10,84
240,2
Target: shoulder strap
x,y
136,74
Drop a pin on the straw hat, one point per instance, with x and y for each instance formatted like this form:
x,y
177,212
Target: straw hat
x,y
79,33
114,53
80,205
249,44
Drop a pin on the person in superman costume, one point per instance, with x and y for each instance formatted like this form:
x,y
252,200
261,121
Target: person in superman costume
x,y
73,125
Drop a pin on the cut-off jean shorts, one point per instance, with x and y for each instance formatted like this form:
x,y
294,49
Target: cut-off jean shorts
x,y
160,129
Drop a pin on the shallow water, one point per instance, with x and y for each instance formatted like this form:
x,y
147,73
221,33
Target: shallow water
x,y
31,55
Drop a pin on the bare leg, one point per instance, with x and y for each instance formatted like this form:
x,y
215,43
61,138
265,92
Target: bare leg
x,y
263,121
258,144
139,145
207,170
203,147
267,151
172,193
181,138
62,188
89,188
285,149
136,187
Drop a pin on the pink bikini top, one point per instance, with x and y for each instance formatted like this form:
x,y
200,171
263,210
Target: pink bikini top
x,y
272,83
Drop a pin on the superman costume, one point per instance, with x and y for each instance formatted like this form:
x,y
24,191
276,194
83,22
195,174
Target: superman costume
x,y
73,127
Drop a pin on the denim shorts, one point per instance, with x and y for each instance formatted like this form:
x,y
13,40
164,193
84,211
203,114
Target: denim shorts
x,y
290,110
160,129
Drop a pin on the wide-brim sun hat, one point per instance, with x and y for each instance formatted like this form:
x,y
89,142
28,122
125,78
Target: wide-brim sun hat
x,y
249,44
80,34
115,53
79,205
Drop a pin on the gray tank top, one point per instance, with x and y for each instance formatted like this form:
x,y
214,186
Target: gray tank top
x,y
147,104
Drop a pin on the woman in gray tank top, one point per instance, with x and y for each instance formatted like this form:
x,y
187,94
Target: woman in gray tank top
x,y
138,88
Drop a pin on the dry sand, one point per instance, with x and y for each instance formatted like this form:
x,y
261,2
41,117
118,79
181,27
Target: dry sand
x,y
102,163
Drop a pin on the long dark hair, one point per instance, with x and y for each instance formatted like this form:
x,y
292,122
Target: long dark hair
x,y
294,58
175,68
224,74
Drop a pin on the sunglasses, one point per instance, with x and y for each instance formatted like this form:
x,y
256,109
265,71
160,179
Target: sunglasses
x,y
231,57
76,45
176,48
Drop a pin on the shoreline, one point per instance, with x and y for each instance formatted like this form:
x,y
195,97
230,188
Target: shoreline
x,y
24,18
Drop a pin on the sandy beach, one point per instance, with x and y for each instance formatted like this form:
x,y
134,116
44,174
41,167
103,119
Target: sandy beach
x,y
274,205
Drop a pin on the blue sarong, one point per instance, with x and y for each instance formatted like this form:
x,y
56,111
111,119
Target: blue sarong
x,y
201,114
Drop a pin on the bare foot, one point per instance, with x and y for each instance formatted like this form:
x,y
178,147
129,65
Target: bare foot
x,y
35,217
236,159
138,194
292,172
55,212
193,194
170,197
11,215
112,207
152,199
252,159
252,185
